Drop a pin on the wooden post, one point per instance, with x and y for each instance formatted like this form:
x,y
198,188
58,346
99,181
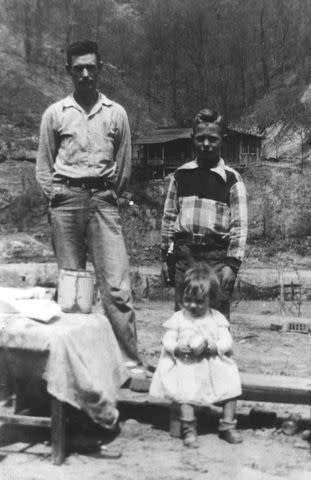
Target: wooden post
x,y
240,152
281,283
257,153
163,162
57,431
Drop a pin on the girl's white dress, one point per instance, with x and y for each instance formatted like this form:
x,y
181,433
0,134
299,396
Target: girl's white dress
x,y
201,381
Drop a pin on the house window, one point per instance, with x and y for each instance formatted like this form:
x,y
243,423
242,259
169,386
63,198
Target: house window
x,y
252,148
249,148
244,147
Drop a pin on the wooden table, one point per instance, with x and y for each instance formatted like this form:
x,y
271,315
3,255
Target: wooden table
x,y
31,363
29,348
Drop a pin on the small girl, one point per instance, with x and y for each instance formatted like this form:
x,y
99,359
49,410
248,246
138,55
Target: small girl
x,y
195,367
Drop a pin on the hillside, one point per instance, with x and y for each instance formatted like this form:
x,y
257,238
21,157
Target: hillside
x,y
279,217
163,62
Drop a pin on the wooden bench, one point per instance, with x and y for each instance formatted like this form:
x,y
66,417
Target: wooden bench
x,y
255,387
276,389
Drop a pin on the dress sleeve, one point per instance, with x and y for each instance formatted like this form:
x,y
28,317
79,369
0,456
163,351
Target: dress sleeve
x,y
170,338
224,342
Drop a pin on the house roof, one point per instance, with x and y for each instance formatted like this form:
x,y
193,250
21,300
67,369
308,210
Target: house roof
x,y
165,135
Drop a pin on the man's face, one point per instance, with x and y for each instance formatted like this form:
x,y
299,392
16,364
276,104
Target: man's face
x,y
207,139
84,71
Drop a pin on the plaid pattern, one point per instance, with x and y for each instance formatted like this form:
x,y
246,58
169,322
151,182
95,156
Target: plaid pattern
x,y
202,215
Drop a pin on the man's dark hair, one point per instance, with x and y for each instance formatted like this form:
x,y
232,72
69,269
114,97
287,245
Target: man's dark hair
x,y
82,48
205,116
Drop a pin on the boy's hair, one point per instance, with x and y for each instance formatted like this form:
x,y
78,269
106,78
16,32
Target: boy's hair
x,y
201,281
82,48
205,116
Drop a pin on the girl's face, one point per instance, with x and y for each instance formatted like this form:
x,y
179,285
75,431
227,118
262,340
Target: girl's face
x,y
197,307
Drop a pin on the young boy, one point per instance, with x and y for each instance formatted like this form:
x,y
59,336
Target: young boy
x,y
205,212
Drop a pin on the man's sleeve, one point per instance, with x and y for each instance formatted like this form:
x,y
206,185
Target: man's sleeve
x,y
238,225
123,153
170,214
47,152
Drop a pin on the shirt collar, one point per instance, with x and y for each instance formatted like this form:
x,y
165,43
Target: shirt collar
x,y
102,100
219,169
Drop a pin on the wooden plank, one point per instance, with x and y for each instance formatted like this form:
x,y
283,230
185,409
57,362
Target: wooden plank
x,y
255,387
129,397
57,431
266,320
276,389
26,420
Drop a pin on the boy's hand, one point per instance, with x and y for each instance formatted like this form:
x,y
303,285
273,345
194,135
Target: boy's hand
x,y
164,273
227,278
167,274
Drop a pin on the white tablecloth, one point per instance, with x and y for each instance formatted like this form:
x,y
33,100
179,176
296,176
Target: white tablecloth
x,y
84,365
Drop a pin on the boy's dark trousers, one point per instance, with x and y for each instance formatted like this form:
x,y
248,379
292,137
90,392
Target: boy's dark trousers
x,y
186,256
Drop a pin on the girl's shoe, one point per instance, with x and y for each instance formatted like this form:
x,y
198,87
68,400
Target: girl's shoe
x,y
231,436
189,434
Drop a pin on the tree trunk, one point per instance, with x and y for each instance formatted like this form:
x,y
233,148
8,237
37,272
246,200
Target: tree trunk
x,y
264,64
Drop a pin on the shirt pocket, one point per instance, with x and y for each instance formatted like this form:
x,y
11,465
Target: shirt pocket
x,y
73,146
104,140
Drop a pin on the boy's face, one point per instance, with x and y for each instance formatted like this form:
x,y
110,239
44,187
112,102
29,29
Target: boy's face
x,y
207,139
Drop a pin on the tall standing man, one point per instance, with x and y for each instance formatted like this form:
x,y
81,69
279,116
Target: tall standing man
x,y
205,212
83,166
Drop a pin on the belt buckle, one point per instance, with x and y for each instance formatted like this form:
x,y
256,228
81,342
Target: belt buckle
x,y
197,238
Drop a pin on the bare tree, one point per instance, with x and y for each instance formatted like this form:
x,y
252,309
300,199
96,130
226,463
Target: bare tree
x,y
263,48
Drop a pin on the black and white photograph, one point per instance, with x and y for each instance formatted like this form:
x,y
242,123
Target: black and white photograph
x,y
155,239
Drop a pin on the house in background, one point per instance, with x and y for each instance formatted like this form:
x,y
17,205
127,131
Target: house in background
x,y
163,150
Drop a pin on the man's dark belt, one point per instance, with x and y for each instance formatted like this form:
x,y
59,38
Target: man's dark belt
x,y
84,182
209,240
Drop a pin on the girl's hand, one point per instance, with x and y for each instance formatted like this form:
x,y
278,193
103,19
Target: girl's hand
x,y
211,348
197,351
197,345
182,350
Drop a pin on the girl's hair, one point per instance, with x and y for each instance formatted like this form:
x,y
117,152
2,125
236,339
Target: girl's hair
x,y
201,282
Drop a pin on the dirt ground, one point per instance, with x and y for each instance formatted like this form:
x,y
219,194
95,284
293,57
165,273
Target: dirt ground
x,y
148,451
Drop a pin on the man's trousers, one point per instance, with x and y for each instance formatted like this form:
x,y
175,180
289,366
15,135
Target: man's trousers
x,y
86,220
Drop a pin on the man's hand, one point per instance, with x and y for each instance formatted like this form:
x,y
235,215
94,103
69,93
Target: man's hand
x,y
227,278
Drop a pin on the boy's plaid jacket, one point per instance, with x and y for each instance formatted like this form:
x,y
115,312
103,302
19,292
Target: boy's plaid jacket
x,y
207,201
